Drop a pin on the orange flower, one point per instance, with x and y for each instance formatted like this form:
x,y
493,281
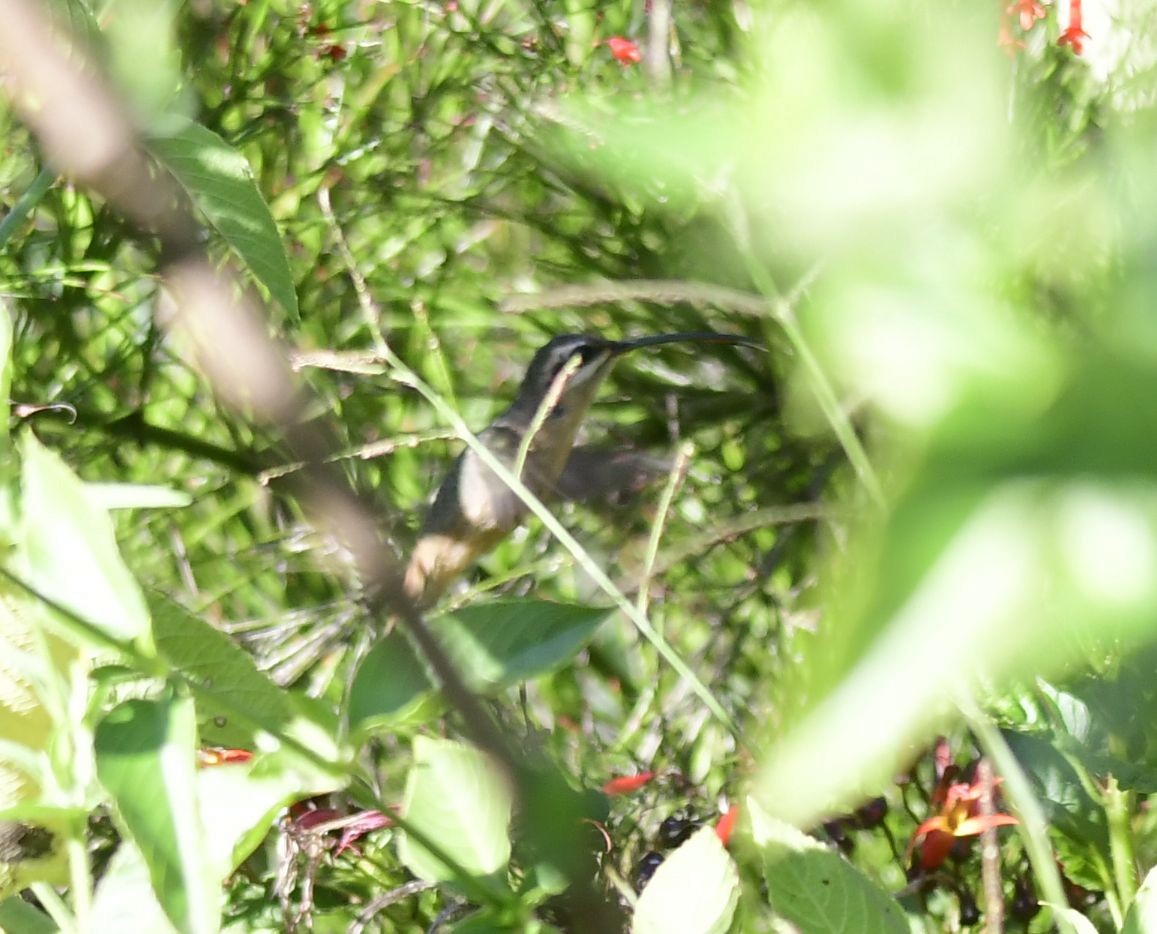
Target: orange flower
x,y
624,50
958,818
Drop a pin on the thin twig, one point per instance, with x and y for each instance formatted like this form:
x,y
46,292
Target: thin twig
x,y
542,413
674,480
383,901
654,291
989,852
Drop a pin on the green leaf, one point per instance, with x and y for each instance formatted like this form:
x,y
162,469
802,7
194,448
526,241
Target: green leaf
x,y
1142,915
815,888
1079,922
235,701
125,899
221,184
71,551
457,799
17,915
392,686
695,889
493,646
241,802
145,759
136,496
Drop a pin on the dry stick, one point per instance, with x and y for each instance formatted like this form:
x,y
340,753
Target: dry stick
x,y
658,41
383,901
989,852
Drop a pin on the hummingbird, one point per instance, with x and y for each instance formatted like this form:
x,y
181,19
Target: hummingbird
x,y
474,510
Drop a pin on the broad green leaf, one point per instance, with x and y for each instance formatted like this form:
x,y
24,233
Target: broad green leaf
x,y
1079,823
235,701
240,804
145,760
695,889
392,686
19,917
221,184
459,801
493,646
71,552
136,496
1142,915
125,899
815,888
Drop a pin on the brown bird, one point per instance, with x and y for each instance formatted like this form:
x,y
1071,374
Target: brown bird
x,y
474,509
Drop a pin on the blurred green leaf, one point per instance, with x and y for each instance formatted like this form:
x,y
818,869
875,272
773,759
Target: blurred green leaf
x,y
492,645
236,701
141,40
125,899
997,561
695,889
240,803
71,550
1142,915
17,915
145,759
392,687
77,17
459,801
221,184
815,888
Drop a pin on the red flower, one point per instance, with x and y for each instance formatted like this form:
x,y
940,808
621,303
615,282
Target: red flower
x,y
625,784
1075,35
624,50
219,755
726,824
959,817
1029,11
323,820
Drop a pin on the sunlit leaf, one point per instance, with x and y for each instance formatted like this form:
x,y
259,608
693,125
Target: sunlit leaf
x,y
221,184
695,889
145,759
71,551
1142,915
814,887
460,802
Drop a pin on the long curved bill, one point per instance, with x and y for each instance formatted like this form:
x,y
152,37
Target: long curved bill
x,y
683,337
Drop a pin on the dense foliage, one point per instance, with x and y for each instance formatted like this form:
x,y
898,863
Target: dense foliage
x,y
909,542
